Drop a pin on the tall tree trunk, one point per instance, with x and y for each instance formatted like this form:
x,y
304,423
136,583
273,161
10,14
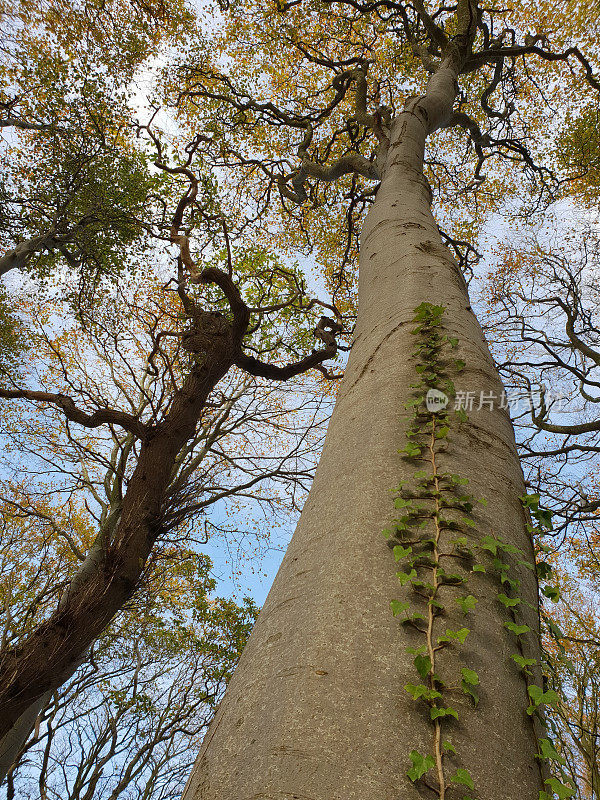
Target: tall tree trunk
x,y
108,578
316,709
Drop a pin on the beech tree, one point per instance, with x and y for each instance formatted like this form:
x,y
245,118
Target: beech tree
x,y
336,697
117,371
311,124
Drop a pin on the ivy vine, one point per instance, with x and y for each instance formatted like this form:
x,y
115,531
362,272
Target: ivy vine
x,y
434,503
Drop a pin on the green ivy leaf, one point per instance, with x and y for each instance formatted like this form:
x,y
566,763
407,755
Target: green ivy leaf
x,y
463,777
470,676
540,698
449,747
460,541
399,502
423,665
478,568
552,592
436,712
559,789
548,752
399,607
401,552
490,544
518,630
544,570
405,577
530,501
467,603
554,629
524,662
417,690
421,765
509,602
459,635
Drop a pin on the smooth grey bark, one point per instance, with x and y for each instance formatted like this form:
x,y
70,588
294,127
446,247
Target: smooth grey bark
x,y
316,709
22,252
11,744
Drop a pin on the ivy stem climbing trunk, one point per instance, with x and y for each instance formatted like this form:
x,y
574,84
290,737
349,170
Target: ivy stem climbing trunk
x,y
431,616
316,709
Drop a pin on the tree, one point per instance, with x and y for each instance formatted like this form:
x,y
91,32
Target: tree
x,y
125,723
542,312
76,188
161,372
316,707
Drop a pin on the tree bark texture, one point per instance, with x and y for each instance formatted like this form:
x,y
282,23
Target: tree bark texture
x,y
316,709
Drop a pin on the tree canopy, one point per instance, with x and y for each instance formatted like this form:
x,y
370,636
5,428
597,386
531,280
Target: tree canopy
x,y
185,189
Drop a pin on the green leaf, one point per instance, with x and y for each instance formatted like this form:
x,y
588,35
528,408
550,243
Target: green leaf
x,y
405,577
518,630
468,690
463,777
540,698
552,592
470,676
544,516
478,568
401,552
544,569
399,502
559,789
449,747
399,607
436,712
412,617
423,665
421,765
411,450
459,635
417,690
530,500
467,603
548,751
490,544
509,602
510,548
524,662
460,541
416,651
554,629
